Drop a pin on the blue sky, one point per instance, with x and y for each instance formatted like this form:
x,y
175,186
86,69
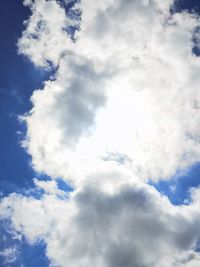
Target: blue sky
x,y
19,78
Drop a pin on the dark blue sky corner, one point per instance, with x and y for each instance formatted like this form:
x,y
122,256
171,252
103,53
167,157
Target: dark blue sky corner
x,y
193,7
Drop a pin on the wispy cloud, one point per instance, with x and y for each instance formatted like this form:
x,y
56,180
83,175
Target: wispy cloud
x,y
9,255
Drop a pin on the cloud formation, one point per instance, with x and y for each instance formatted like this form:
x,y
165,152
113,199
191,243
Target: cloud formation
x,y
121,108
133,225
127,85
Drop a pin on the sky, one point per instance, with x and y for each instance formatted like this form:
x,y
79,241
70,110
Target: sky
x,y
100,144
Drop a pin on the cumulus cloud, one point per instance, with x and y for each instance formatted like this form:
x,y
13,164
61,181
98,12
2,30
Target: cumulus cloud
x,y
127,86
130,226
121,108
45,38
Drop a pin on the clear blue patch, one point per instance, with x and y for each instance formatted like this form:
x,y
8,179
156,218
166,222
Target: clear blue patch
x,y
192,6
33,255
196,41
64,186
18,79
196,51
27,255
178,188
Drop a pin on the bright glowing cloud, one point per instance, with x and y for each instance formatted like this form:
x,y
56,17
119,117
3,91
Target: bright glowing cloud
x,y
128,85
121,108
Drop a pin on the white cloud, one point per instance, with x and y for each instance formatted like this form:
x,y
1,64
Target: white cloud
x,y
49,187
45,39
9,255
130,226
127,86
121,108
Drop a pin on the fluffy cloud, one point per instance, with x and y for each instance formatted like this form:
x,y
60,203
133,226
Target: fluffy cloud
x,y
45,38
122,107
127,86
133,225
